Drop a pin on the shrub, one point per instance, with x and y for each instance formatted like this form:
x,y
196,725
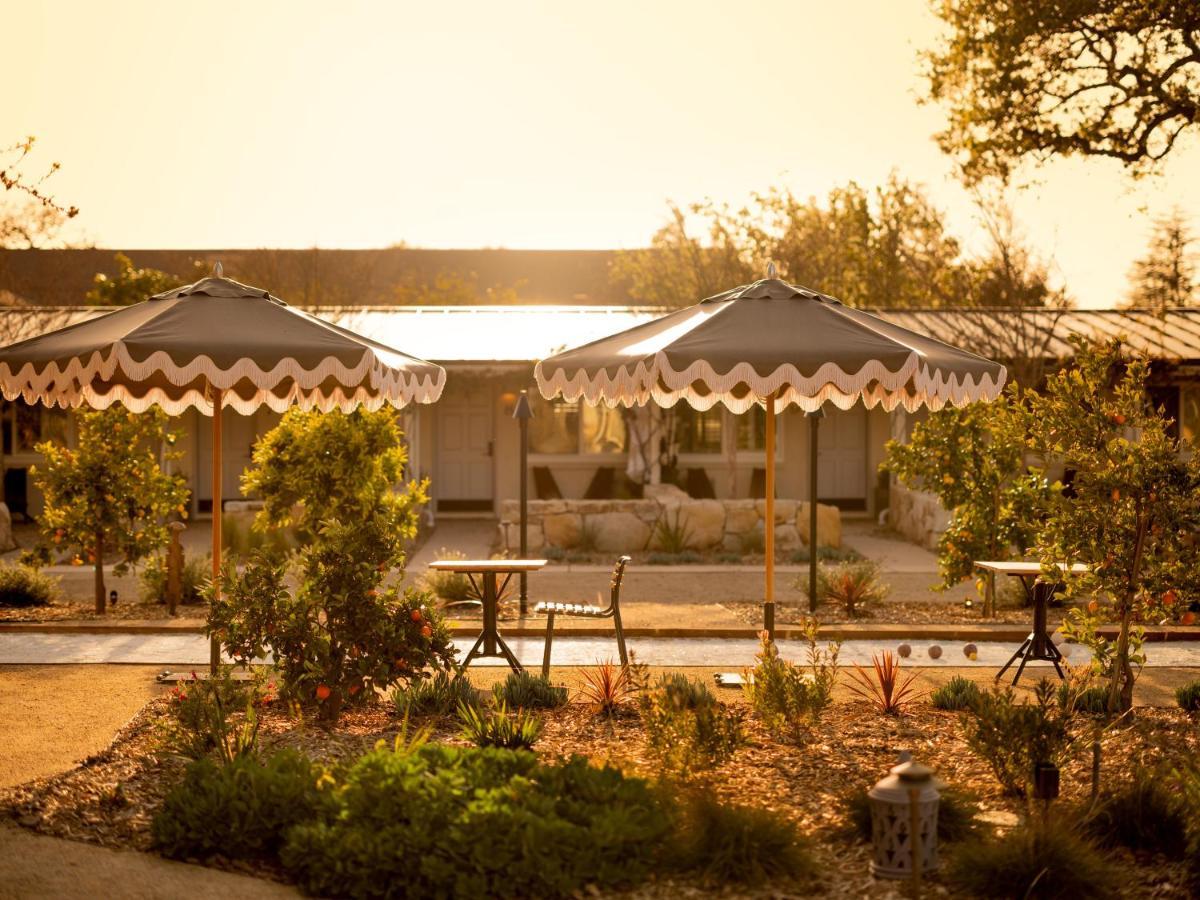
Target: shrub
x,y
453,587
852,585
670,535
442,694
200,711
1030,861
1092,700
753,543
832,554
498,727
343,631
1013,737
608,689
787,698
22,586
240,810
1188,696
1144,814
521,690
884,687
193,579
725,843
956,694
687,728
445,821
956,815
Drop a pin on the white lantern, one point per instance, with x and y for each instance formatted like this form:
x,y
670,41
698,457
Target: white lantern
x,y
904,804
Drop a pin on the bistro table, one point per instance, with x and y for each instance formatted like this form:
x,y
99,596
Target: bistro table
x,y
488,588
1038,644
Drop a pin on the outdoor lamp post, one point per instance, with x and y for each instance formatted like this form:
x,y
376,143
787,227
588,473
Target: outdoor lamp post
x,y
522,412
904,808
814,419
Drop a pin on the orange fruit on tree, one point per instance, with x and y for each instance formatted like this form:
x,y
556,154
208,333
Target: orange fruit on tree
x,y
427,631
1093,607
1187,618
1170,598
416,615
323,692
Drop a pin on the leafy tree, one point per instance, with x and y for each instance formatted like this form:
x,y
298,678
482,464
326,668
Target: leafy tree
x,y
109,492
1133,508
883,247
345,629
452,289
1098,78
1166,275
973,460
130,284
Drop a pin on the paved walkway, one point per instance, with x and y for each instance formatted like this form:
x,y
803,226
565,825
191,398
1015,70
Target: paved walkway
x,y
192,650
33,865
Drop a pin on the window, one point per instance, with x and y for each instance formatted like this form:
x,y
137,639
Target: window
x,y
1189,413
558,427
26,426
696,431
752,429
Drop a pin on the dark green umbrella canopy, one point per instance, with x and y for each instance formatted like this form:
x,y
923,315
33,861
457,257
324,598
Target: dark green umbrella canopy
x,y
173,349
771,337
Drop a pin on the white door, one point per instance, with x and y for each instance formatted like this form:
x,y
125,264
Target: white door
x,y
842,458
464,453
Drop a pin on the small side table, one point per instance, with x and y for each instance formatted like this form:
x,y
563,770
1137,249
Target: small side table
x,y
1038,644
488,588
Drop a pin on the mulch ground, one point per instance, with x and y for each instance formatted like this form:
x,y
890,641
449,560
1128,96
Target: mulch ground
x,y
110,799
62,610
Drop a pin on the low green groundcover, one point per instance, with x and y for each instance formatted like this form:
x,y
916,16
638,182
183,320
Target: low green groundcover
x,y
430,821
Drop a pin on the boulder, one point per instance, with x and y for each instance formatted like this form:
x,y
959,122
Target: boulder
x,y
740,516
787,537
511,534
829,525
664,493
6,536
785,510
704,523
618,532
562,529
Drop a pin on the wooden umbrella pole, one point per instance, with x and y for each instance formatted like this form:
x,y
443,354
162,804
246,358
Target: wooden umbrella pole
x,y
215,649
769,523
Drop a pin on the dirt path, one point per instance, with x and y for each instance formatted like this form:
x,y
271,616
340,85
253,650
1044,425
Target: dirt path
x,y
55,716
33,866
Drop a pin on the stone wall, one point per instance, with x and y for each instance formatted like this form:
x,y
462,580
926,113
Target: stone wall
x,y
917,515
625,526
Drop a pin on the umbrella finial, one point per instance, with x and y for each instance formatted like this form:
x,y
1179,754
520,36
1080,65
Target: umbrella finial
x,y
772,272
218,270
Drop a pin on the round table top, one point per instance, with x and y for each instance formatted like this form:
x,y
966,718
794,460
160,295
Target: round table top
x,y
488,565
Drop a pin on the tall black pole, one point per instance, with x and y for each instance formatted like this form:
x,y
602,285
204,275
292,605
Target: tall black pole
x,y
814,420
523,413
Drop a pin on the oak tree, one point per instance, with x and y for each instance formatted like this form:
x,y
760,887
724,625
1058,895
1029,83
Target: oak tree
x,y
1117,79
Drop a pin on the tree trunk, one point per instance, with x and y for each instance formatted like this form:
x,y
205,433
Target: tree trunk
x,y
101,593
1120,688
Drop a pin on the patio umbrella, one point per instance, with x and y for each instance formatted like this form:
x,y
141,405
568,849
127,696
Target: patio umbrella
x,y
211,345
772,344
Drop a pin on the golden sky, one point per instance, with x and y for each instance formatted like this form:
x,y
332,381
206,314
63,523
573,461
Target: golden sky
x,y
214,124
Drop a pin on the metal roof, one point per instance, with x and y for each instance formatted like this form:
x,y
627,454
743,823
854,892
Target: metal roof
x,y
490,334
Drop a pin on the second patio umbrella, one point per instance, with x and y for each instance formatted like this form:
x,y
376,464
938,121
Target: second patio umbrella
x,y
777,345
211,345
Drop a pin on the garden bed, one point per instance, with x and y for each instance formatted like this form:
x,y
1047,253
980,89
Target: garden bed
x,y
111,798
71,609
898,612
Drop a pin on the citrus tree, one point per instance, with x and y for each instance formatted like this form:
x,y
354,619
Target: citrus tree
x,y
1131,513
345,629
109,493
973,460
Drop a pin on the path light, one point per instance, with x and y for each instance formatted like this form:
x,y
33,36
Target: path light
x,y
904,806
